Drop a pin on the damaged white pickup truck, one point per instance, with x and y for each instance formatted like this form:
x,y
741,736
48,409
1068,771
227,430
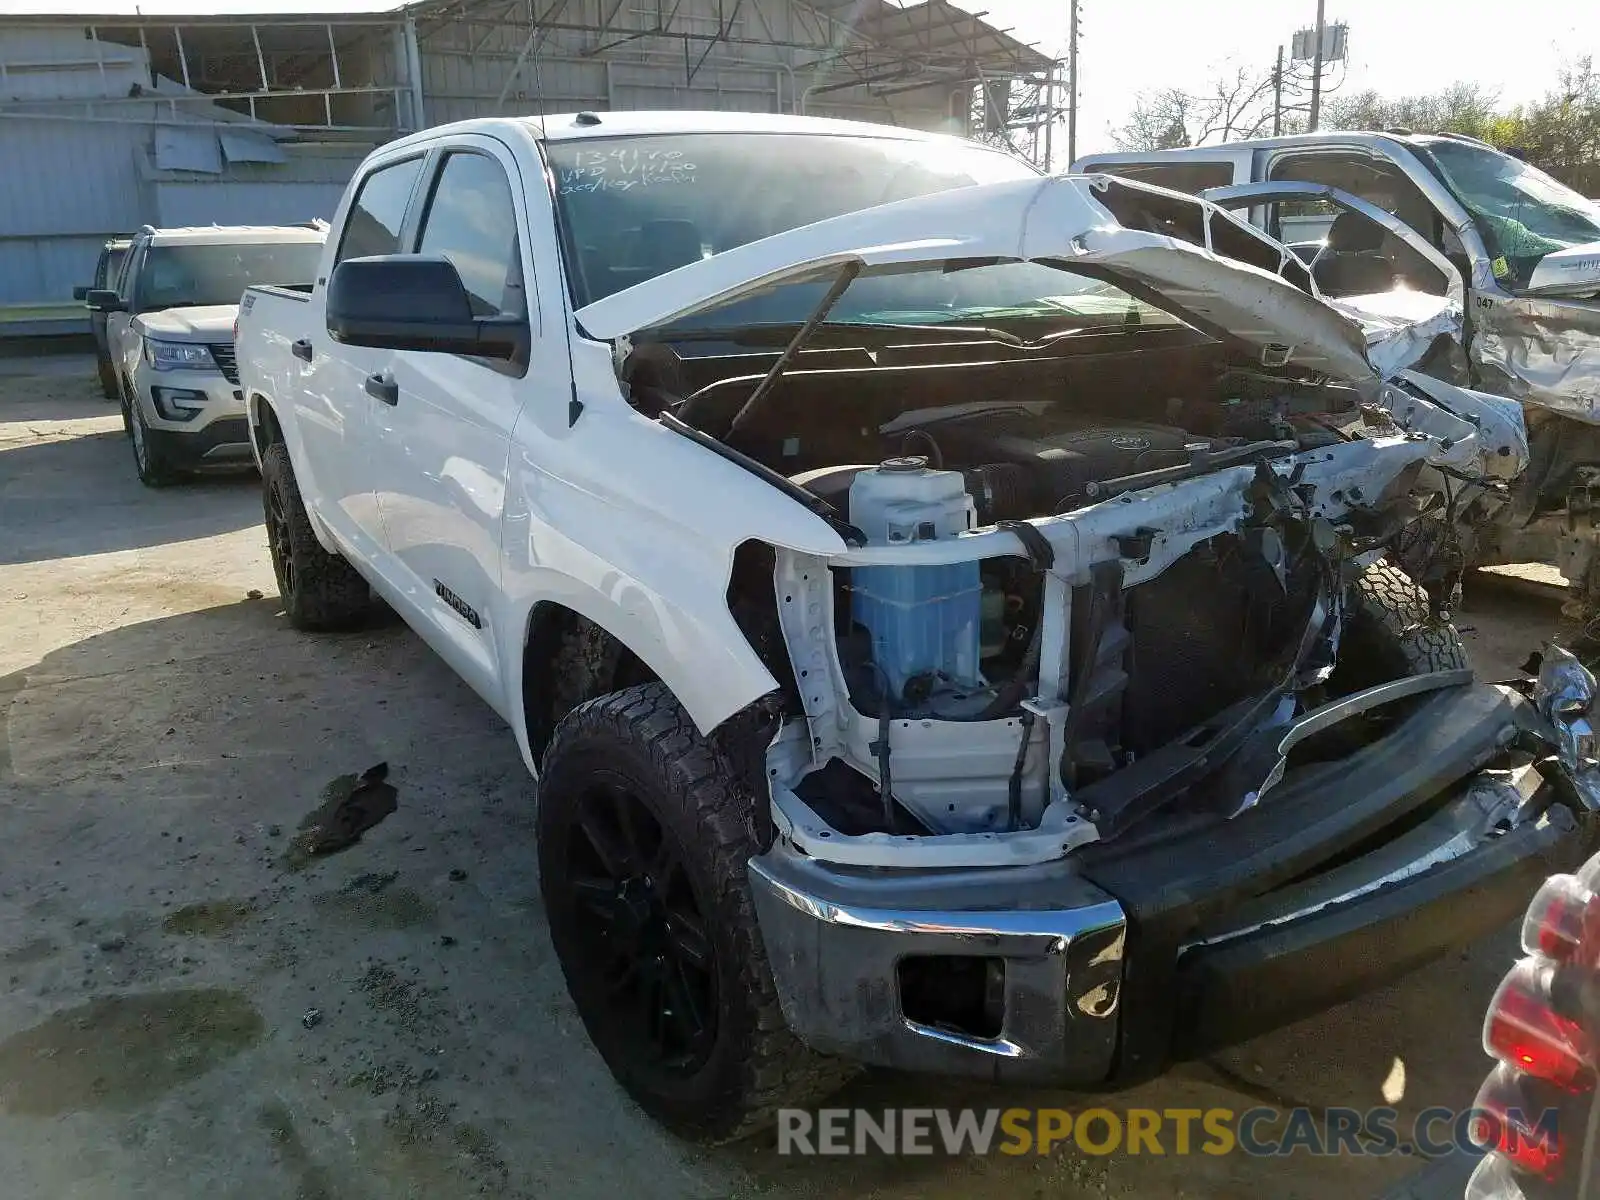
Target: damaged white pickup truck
x,y
946,608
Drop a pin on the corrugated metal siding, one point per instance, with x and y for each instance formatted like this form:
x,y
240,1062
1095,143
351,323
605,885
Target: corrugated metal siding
x,y
465,68
73,186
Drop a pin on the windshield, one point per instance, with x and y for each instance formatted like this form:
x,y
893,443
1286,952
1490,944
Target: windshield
x,y
636,207
1523,212
218,272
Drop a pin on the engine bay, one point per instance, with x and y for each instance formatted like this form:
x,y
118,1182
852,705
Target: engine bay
x,y
1077,578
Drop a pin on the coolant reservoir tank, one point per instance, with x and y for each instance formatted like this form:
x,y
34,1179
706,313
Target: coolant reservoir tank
x,y
923,619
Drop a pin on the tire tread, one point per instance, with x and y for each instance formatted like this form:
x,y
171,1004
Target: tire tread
x,y
776,1069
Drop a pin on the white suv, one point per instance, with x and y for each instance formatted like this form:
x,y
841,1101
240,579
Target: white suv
x,y
169,332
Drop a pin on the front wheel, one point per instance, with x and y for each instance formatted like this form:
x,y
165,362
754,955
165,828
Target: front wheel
x,y
644,835
1390,632
320,590
155,471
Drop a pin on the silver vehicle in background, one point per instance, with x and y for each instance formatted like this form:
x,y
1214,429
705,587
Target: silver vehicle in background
x,y
1526,249
169,337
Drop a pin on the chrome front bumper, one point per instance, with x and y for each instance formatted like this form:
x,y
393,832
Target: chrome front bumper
x,y
835,938
1231,930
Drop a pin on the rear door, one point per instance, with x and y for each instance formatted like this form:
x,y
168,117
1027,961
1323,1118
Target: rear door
x,y
444,433
333,402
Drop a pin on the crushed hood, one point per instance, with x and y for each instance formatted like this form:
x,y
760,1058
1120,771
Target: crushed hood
x,y
1064,221
207,323
1401,325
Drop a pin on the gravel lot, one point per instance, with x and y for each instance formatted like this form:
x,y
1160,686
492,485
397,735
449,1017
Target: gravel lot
x,y
188,1015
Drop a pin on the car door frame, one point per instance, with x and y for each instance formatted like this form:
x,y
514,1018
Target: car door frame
x,y
467,630
1265,193
1454,216
341,368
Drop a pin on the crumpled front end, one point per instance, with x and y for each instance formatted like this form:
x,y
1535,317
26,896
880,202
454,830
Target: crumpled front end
x,y
1007,694
1103,968
1544,352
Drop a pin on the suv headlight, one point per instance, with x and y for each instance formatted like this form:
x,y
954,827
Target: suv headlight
x,y
177,356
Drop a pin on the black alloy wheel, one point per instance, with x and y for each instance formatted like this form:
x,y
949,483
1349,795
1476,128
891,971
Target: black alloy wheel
x,y
641,932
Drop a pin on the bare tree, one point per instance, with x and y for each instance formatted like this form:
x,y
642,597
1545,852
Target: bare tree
x,y
1159,121
1238,103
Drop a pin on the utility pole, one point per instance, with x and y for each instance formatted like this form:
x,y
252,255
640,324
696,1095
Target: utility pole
x,y
1277,95
1050,117
1072,84
1316,71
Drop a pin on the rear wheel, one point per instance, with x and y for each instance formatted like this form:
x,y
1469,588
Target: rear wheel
x,y
644,836
320,590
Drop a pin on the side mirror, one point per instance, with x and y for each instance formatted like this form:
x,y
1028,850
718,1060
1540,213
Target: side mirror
x,y
413,302
104,300
81,292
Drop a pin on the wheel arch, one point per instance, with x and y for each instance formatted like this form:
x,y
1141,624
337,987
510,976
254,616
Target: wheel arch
x,y
578,644
265,427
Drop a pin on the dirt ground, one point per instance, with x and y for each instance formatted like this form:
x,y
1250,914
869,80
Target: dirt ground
x,y
189,1016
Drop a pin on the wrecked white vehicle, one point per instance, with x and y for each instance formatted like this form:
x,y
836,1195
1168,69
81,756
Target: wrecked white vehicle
x,y
1525,252
946,608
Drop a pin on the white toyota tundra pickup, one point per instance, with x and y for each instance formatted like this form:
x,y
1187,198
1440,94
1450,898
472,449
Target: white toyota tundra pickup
x,y
948,611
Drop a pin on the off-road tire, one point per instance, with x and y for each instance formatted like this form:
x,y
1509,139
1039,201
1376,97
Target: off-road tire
x,y
149,461
1390,631
320,591
756,1065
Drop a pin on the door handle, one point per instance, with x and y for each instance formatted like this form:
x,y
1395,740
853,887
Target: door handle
x,y
301,349
382,387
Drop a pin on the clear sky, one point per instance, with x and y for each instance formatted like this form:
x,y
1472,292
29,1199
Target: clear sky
x,y
1396,46
1399,47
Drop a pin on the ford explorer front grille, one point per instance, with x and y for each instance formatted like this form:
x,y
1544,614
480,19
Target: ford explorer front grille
x,y
226,363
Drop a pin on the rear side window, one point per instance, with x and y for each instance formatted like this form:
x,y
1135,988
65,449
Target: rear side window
x,y
472,221
373,226
1188,177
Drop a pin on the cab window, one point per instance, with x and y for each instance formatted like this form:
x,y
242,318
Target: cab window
x,y
472,221
1375,180
373,226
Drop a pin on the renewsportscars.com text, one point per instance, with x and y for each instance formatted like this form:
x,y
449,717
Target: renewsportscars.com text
x,y
1260,1132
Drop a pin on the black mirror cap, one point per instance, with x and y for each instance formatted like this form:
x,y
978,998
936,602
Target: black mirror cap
x,y
81,292
104,300
416,302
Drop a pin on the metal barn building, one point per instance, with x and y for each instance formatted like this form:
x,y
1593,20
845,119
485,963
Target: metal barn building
x,y
109,122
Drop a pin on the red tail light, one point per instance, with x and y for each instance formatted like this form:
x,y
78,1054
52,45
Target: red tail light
x,y
1562,912
1524,1030
1510,1123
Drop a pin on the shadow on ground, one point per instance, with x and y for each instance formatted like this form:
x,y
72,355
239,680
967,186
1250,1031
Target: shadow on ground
x,y
67,481
152,779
